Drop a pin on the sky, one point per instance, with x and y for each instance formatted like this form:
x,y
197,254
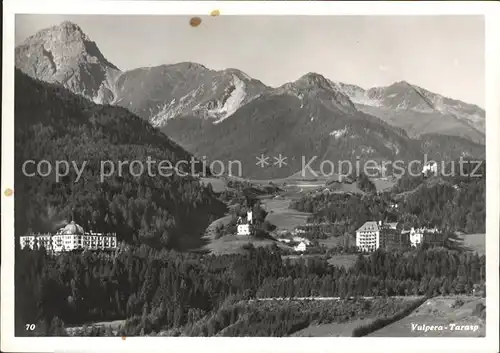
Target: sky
x,y
443,54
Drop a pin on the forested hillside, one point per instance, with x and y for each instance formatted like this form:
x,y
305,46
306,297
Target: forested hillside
x,y
198,294
456,202
53,124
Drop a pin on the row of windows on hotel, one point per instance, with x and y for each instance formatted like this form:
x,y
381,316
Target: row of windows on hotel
x,y
68,238
69,242
374,235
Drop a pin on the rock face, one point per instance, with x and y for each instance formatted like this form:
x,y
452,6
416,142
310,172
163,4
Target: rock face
x,y
64,54
165,92
420,111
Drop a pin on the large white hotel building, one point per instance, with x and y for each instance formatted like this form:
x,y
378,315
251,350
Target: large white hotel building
x,y
71,237
368,237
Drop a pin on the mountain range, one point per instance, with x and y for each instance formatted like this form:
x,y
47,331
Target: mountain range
x,y
227,115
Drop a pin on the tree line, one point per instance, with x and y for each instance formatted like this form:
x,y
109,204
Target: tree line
x,y
161,290
456,203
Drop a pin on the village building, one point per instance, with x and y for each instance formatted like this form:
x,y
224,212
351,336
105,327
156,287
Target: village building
x,y
391,237
245,225
298,231
391,225
421,235
301,240
416,237
430,168
243,229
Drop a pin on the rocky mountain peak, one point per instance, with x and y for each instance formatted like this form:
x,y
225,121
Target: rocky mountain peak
x,y
317,87
70,30
65,54
313,79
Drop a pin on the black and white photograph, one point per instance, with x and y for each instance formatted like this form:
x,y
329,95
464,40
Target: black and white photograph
x,y
244,175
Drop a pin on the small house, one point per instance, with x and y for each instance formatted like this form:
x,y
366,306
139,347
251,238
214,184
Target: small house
x,y
301,247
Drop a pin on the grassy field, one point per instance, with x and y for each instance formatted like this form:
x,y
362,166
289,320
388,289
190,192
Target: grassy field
x,y
345,187
347,260
299,178
218,184
473,242
332,242
283,217
438,311
345,329
320,318
233,244
332,330
114,325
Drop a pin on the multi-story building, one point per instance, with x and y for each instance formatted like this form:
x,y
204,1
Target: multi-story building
x,y
392,238
374,235
243,229
430,168
416,237
37,240
68,238
429,235
244,226
368,236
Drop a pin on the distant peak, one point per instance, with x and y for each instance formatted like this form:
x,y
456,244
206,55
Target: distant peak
x,y
314,79
66,32
312,76
238,73
68,25
61,45
70,30
402,83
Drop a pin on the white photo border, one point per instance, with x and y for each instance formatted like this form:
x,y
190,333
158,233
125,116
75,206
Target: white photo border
x,y
491,11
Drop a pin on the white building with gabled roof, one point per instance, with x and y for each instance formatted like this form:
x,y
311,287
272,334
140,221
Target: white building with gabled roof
x,y
244,225
301,247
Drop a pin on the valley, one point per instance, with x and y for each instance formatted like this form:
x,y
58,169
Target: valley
x,y
195,105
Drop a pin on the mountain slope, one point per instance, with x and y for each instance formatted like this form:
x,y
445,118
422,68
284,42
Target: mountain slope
x,y
419,111
66,55
227,115
52,124
446,148
164,92
306,119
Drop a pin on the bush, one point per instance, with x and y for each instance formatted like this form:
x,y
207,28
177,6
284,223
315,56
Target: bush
x,y
219,231
480,311
248,246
